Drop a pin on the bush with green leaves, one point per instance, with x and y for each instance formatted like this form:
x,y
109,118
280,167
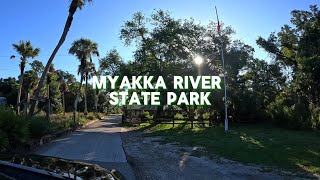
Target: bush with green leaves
x,y
91,116
40,126
178,116
294,112
148,116
14,129
206,116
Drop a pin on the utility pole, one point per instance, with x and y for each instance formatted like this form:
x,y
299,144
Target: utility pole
x,y
226,123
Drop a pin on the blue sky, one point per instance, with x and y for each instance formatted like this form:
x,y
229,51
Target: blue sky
x,y
42,21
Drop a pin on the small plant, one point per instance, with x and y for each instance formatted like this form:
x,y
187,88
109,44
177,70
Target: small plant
x,y
40,126
206,116
91,116
178,116
146,116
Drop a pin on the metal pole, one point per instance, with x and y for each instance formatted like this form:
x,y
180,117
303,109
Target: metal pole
x,y
226,124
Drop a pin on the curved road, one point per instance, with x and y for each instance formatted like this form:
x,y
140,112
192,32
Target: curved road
x,y
100,143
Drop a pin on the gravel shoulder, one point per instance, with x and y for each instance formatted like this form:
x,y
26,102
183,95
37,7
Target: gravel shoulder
x,y
152,158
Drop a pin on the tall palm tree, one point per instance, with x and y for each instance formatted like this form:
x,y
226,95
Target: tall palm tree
x,y
83,49
26,51
75,4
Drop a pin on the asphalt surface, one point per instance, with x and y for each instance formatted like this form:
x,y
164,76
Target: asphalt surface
x,y
100,143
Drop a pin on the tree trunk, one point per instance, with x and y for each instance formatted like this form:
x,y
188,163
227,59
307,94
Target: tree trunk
x,y
26,105
48,103
20,87
63,104
19,93
72,9
85,97
96,97
76,102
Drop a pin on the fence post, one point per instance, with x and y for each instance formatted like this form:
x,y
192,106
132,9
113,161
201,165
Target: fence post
x,y
173,122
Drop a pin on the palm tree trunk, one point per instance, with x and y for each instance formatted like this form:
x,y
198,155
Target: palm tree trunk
x,y
22,65
26,105
96,97
72,9
63,104
19,93
85,97
48,103
76,101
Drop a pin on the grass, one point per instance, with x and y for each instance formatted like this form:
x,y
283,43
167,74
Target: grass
x,y
256,144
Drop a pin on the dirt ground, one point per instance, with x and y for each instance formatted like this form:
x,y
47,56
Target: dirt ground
x,y
152,159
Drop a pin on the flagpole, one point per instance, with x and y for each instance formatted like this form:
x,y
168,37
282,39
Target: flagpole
x,y
226,123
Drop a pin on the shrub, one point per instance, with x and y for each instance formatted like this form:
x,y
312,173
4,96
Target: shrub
x,y
206,116
148,116
4,141
40,126
315,117
83,120
145,116
293,112
14,129
178,116
67,123
91,116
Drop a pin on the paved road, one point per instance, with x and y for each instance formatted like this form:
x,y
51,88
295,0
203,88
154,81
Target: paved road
x,y
100,143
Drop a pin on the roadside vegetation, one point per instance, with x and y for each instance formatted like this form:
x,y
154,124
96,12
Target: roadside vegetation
x,y
16,132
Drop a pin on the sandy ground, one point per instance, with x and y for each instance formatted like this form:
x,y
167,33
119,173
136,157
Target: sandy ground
x,y
151,159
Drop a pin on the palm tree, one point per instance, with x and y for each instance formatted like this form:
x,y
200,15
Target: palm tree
x,y
26,51
83,49
75,4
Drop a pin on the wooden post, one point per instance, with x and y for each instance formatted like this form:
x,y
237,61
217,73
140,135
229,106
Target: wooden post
x,y
173,122
191,123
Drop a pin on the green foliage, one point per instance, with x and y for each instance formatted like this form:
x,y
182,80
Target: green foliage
x,y
4,141
8,89
30,81
91,116
37,66
206,116
315,117
297,49
148,116
39,126
13,128
178,116
294,112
